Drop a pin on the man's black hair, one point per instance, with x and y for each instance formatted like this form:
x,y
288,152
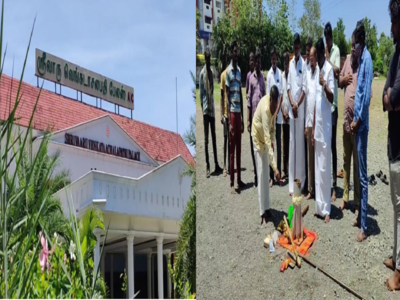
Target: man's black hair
x,y
234,43
274,93
309,42
297,38
207,52
360,30
328,30
394,9
286,56
258,52
320,47
273,51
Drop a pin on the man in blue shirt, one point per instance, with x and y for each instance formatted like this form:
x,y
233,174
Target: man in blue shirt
x,y
360,124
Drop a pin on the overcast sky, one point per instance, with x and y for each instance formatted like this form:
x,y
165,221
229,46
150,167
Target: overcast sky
x,y
141,43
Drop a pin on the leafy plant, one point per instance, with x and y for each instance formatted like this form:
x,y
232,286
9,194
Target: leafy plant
x,y
124,279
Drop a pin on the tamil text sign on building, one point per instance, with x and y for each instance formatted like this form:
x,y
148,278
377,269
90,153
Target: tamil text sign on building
x,y
55,69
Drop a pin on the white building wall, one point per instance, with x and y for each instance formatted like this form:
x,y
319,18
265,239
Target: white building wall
x,y
218,10
80,161
161,194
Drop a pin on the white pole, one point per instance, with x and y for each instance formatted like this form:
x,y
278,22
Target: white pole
x,y
177,137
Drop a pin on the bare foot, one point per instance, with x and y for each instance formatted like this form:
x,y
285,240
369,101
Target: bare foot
x,y
263,222
327,219
356,213
342,205
355,223
233,191
333,196
271,183
361,236
315,214
389,263
309,196
393,283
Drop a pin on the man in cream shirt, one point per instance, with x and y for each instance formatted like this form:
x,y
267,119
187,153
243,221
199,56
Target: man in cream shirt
x,y
263,129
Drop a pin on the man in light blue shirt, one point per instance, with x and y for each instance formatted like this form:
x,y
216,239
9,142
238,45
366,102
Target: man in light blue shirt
x,y
235,115
360,125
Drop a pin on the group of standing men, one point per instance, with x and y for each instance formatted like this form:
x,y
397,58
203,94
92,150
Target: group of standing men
x,y
303,98
300,108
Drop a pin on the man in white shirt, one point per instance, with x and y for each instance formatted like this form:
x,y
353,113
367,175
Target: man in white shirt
x,y
306,189
322,134
332,55
295,83
312,80
274,77
285,116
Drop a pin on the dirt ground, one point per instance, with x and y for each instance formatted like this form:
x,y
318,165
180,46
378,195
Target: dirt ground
x,y
231,260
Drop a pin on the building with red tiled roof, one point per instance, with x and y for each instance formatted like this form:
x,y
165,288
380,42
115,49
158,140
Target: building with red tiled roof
x,y
58,112
132,171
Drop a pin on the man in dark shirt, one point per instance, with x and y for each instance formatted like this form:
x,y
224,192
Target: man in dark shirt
x,y
391,103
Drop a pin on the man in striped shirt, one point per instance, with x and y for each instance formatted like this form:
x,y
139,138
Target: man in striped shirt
x,y
235,115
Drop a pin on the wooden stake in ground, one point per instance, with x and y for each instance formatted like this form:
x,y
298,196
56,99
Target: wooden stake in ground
x,y
331,277
298,260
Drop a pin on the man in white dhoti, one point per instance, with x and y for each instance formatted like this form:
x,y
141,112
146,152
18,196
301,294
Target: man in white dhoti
x,y
322,134
295,86
262,130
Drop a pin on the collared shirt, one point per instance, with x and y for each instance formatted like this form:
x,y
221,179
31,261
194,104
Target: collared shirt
x,y
263,128
207,101
323,115
256,91
296,83
349,94
275,78
363,94
285,98
393,81
225,100
311,92
233,83
248,81
334,58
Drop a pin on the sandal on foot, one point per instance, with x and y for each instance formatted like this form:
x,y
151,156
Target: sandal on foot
x,y
384,180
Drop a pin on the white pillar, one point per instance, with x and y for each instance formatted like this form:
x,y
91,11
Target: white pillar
x,y
168,255
103,265
131,269
160,267
149,270
97,233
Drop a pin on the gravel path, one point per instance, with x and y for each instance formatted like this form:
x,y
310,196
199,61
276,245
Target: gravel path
x,y
231,260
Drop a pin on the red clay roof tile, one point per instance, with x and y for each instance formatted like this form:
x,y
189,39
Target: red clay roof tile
x,y
59,112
